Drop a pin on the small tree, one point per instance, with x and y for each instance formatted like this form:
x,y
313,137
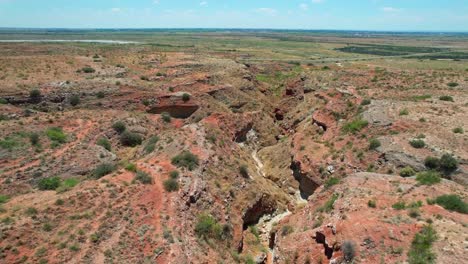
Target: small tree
x,y
171,185
448,163
119,127
75,100
35,95
186,97
130,139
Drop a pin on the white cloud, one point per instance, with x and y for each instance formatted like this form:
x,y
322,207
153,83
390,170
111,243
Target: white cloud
x,y
156,2
304,6
318,1
267,11
116,9
203,3
390,9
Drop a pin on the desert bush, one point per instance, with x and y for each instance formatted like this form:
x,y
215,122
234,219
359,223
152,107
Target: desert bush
x,y
420,251
151,144
417,143
56,134
374,143
366,102
446,98
100,95
448,163
186,159
4,198
35,95
404,112
452,202
207,227
174,174
166,117
401,205
75,100
131,167
452,84
355,126
428,177
34,139
372,203
407,172
103,169
50,183
329,205
431,162
349,250
130,139
286,230
414,212
186,97
143,177
3,101
67,185
331,181
171,185
458,130
104,142
88,70
119,127
244,172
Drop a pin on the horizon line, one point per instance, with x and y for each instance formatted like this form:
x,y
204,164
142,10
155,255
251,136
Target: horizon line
x,y
230,28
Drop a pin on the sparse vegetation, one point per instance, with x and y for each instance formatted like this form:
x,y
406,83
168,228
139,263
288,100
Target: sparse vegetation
x,y
151,144
407,172
103,170
244,172
51,183
374,144
417,143
372,203
186,159
420,251
208,228
355,126
143,177
349,250
105,143
56,134
458,130
119,127
447,98
88,70
428,177
186,97
130,139
404,112
166,117
331,181
452,202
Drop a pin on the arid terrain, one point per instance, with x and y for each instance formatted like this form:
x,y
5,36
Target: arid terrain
x,y
239,147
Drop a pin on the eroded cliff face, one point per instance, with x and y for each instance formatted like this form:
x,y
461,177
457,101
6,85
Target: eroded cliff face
x,y
275,179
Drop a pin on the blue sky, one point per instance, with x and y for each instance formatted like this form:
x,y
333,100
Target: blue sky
x,y
403,15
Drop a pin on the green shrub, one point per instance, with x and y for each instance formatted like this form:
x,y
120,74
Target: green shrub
x,y
174,174
119,127
88,70
417,143
34,139
3,101
452,202
428,177
366,102
100,94
329,205
414,212
166,117
31,211
4,198
131,167
374,143
286,230
432,163
399,205
35,95
452,84
50,183
331,181
355,126
446,98
75,100
130,139
349,250
207,227
103,169
458,130
407,172
244,172
56,134
151,144
144,177
185,159
186,97
420,251
171,185
448,163
104,142
372,203
404,112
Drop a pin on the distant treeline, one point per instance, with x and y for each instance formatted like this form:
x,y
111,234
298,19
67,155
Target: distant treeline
x,y
389,50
